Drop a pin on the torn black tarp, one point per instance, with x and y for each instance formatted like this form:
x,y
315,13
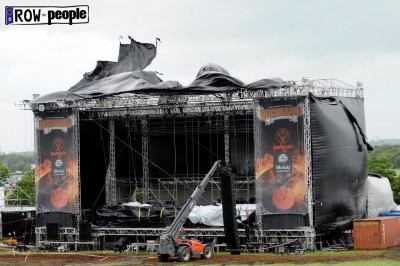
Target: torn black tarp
x,y
273,83
339,161
132,57
212,78
59,96
127,76
135,216
100,71
137,82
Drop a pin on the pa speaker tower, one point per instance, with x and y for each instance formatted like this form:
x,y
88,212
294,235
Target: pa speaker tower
x,y
229,212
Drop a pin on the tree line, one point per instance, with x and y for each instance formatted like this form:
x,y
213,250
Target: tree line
x,y
382,160
25,190
390,152
18,161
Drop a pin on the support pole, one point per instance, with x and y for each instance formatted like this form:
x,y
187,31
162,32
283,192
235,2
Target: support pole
x,y
77,148
37,161
308,159
110,178
259,191
145,159
226,140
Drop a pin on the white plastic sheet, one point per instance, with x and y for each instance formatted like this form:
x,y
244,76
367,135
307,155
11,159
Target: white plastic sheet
x,y
379,196
211,215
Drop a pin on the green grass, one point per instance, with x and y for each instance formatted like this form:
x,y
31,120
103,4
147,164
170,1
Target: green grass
x,y
375,262
397,171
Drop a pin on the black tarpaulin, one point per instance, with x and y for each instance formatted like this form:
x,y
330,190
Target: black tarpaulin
x,y
273,83
339,161
127,76
100,71
213,78
59,96
132,57
136,81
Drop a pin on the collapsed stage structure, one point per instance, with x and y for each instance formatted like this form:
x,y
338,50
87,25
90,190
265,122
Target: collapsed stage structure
x,y
297,150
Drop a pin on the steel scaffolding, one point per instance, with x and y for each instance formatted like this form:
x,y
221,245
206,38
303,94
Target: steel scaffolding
x,y
154,105
77,145
37,154
308,165
111,190
227,105
145,160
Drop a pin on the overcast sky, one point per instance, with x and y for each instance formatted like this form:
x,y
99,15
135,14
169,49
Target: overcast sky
x,y
348,40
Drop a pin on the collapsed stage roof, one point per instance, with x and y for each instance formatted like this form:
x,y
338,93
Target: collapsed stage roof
x,y
127,75
121,109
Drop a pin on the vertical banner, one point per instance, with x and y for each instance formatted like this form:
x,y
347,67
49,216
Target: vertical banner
x,y
56,175
280,160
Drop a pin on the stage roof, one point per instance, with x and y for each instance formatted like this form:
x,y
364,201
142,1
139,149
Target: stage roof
x,y
127,75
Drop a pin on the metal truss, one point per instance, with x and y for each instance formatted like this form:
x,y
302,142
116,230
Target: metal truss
x,y
145,160
68,236
15,208
306,235
111,190
61,230
160,111
154,105
77,148
70,232
226,140
145,107
200,232
259,191
308,165
37,154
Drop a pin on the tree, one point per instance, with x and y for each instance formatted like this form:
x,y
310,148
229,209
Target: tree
x,y
141,194
382,166
4,172
18,161
26,188
396,189
390,152
396,163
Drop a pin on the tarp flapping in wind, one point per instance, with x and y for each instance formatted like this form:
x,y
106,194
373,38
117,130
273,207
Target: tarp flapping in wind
x,y
132,57
127,75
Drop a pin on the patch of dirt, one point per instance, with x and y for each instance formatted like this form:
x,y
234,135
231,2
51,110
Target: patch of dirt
x,y
94,258
53,258
269,258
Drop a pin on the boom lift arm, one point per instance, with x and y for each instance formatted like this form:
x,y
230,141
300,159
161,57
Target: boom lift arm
x,y
169,245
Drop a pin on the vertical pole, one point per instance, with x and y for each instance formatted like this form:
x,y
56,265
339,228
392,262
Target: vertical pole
x,y
226,140
257,143
77,147
145,159
227,143
110,178
308,159
37,157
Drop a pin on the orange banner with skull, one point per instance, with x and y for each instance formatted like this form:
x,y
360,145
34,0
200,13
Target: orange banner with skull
x,y
56,175
280,160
